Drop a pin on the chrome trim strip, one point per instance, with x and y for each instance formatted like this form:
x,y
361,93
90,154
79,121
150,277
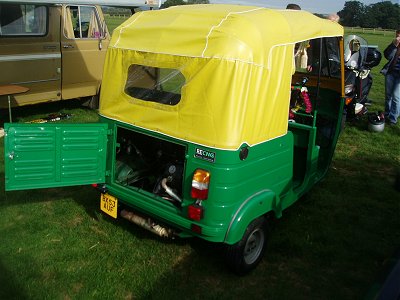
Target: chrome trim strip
x,y
36,81
22,57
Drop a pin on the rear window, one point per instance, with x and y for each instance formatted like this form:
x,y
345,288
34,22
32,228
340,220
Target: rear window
x,y
23,19
160,85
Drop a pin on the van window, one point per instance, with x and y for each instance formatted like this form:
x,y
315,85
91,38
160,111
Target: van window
x,y
158,85
23,19
82,22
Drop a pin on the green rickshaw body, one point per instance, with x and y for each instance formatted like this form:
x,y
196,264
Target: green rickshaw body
x,y
239,190
194,114
233,71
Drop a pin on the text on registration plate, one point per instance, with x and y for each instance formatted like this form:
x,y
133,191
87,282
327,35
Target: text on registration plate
x,y
109,204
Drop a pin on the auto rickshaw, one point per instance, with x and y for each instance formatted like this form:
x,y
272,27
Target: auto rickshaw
x,y
194,138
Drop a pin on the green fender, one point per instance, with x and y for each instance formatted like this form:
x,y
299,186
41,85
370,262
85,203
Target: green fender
x,y
253,207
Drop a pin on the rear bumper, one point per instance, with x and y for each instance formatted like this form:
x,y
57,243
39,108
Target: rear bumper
x,y
165,213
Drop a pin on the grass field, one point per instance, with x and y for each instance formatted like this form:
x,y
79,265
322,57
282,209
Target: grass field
x,y
335,243
370,31
113,22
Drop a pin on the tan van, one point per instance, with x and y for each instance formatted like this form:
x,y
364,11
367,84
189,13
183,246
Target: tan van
x,y
54,48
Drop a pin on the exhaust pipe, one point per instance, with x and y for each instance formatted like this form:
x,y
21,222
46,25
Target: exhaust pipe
x,y
169,191
147,224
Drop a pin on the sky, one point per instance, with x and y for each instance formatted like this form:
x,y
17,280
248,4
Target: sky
x,y
314,6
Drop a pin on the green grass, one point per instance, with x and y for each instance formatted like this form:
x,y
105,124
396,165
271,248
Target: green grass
x,y
114,22
335,243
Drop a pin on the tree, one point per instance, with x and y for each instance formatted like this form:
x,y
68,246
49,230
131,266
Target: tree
x,y
198,2
322,16
352,13
169,3
383,14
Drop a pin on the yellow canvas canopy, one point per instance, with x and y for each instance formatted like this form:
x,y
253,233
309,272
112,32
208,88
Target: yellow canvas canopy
x,y
237,62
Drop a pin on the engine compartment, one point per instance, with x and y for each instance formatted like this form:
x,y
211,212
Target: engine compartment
x,y
150,164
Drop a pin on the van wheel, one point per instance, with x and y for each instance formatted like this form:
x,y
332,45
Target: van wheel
x,y
94,102
246,254
91,102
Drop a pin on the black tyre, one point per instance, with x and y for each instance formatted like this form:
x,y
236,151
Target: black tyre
x,y
245,255
94,102
91,102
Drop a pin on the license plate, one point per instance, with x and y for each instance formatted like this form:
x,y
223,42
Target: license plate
x,y
109,204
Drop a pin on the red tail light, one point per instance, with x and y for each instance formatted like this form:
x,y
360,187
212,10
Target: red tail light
x,y
200,183
196,228
195,212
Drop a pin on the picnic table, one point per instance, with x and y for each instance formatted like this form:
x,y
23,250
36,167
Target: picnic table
x,y
9,90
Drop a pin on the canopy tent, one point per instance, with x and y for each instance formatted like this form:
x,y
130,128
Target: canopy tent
x,y
237,62
123,3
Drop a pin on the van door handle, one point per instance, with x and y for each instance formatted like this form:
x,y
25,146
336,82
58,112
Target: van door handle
x,y
68,46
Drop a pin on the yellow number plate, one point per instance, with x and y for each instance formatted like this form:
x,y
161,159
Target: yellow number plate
x,y
109,205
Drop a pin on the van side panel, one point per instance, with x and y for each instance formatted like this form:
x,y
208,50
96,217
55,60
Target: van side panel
x,y
33,61
83,52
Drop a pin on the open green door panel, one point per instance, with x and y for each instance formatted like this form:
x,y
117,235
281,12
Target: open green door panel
x,y
54,155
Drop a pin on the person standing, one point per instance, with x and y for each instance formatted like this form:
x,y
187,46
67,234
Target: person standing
x,y
334,18
293,6
391,70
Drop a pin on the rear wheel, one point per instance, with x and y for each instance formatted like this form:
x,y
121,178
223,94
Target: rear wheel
x,y
246,254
